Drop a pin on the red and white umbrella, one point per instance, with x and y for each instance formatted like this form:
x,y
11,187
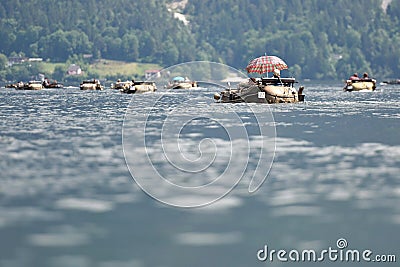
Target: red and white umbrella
x,y
266,64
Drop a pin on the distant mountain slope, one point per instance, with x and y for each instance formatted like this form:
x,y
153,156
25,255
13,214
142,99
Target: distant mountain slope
x,y
319,39
118,29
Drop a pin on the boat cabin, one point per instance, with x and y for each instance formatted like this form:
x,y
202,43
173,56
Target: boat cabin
x,y
288,82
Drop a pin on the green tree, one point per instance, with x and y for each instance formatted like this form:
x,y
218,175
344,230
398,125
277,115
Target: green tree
x,y
169,52
59,73
3,62
130,46
8,31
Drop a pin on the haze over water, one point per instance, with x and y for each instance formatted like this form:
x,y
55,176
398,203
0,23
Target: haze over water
x,y
67,197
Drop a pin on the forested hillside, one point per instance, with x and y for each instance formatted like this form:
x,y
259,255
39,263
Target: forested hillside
x,y
318,39
115,29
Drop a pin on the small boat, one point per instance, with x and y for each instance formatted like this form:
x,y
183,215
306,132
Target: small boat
x,y
51,84
181,83
54,85
360,85
91,85
31,85
140,87
263,90
11,85
397,81
122,85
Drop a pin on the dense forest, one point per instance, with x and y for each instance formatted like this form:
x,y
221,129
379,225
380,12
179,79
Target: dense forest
x,y
318,39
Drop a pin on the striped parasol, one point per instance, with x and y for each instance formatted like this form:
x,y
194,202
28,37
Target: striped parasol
x,y
266,64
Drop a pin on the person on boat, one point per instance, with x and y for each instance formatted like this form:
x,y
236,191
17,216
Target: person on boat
x,y
365,76
354,77
46,82
277,76
277,73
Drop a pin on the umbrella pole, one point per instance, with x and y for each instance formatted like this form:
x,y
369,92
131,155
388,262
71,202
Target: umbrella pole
x,y
279,78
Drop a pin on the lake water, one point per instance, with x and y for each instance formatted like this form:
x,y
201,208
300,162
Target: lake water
x,y
67,196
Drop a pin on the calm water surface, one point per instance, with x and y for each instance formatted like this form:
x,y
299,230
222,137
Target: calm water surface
x,y
67,197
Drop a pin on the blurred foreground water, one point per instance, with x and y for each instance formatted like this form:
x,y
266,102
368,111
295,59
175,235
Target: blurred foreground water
x,y
67,197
